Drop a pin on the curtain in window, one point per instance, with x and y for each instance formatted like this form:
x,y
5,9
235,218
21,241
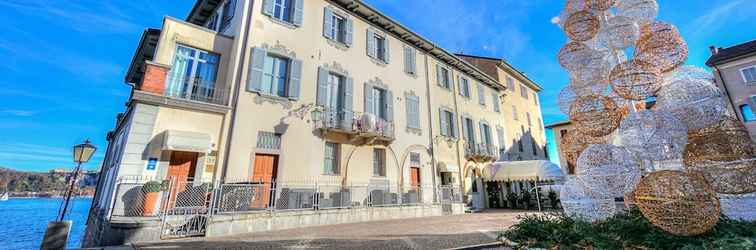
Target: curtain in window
x,y
181,71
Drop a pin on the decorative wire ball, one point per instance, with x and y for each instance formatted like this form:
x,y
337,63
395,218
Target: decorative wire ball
x,y
642,11
581,26
569,93
654,135
619,32
688,73
573,143
678,202
635,80
575,56
607,171
724,154
661,46
595,115
578,205
697,103
738,206
600,5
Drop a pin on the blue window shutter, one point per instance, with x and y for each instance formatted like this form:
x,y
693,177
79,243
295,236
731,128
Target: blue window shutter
x,y
371,46
349,31
389,106
439,76
465,129
387,51
483,138
347,120
298,17
254,78
442,119
327,23
268,7
295,79
495,101
481,94
322,93
368,98
454,131
410,119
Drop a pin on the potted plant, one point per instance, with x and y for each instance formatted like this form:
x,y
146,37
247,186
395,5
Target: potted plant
x,y
512,198
553,199
150,190
525,199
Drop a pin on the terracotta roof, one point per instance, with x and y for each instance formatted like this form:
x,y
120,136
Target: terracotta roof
x,y
726,54
488,65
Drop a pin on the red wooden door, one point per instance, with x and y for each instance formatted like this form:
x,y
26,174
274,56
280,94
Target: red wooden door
x,y
415,176
180,170
264,171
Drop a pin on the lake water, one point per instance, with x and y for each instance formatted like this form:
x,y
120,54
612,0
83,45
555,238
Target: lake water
x,y
23,221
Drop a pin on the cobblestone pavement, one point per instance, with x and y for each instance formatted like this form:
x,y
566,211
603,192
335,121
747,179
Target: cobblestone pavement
x,y
440,232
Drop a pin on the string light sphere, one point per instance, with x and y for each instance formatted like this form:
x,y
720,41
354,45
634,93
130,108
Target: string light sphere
x,y
697,103
578,205
607,171
573,143
724,154
642,11
653,135
581,26
600,5
688,73
678,202
619,32
595,115
635,80
738,206
569,93
661,46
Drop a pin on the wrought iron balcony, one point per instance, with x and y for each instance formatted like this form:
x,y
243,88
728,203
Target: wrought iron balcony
x,y
355,124
196,89
481,152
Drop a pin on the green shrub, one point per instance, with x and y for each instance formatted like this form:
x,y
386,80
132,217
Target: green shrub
x,y
152,187
512,198
624,231
553,199
525,199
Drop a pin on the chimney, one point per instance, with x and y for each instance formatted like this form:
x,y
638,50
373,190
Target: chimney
x,y
714,50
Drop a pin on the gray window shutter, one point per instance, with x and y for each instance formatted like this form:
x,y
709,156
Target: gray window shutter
x,y
254,79
412,112
298,13
500,134
327,23
295,79
387,51
268,7
442,119
439,76
322,93
483,138
347,120
389,106
413,61
454,131
371,46
407,58
368,98
349,31
495,101
481,94
465,129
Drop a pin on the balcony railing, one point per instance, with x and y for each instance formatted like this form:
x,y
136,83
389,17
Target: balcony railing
x,y
481,151
347,121
196,89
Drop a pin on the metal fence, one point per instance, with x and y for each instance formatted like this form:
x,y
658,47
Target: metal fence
x,y
132,199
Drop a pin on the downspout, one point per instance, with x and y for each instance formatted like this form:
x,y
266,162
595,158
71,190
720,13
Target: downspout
x,y
234,102
457,113
430,130
727,93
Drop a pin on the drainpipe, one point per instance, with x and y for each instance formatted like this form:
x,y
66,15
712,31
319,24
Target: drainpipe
x,y
727,92
234,102
456,145
430,130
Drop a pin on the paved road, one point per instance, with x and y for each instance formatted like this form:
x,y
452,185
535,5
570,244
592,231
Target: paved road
x,y
439,232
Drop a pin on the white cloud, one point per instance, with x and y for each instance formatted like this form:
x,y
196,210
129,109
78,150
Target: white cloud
x,y
77,15
15,112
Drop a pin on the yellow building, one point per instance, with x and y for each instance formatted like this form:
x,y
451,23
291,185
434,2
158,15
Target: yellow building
x,y
321,104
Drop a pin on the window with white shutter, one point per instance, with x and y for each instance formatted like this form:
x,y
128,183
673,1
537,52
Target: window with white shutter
x,y
332,155
510,84
482,94
413,112
377,46
410,62
524,91
749,74
443,76
496,102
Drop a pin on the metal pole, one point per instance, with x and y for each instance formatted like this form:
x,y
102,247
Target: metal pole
x,y
538,198
69,192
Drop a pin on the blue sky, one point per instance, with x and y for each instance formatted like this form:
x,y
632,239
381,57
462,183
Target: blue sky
x,y
62,77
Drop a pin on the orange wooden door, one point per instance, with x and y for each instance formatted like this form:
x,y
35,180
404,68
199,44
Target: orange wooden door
x,y
415,176
264,171
180,170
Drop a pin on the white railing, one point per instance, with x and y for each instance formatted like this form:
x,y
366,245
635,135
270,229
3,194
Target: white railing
x,y
355,122
195,89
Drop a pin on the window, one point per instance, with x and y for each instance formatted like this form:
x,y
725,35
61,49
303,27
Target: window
x,y
495,100
443,76
273,74
467,130
332,156
282,10
501,141
524,91
510,84
379,162
413,112
482,94
485,134
522,137
337,27
448,123
415,159
464,86
534,147
749,74
289,11
192,74
228,14
378,101
527,116
377,46
212,23
514,113
410,61
535,98
747,113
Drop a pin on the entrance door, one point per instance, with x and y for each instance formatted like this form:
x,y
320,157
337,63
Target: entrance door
x,y
415,176
181,172
264,172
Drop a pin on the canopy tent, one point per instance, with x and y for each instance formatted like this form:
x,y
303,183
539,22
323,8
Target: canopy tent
x,y
523,171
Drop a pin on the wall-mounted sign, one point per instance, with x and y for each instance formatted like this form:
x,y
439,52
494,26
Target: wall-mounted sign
x,y
152,163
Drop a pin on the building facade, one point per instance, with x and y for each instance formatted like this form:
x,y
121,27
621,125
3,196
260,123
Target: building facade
x,y
735,74
559,131
287,95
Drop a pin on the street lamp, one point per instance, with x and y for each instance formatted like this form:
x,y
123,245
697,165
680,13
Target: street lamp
x,y
81,154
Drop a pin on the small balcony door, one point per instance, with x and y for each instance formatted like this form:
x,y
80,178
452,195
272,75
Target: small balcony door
x,y
335,95
192,74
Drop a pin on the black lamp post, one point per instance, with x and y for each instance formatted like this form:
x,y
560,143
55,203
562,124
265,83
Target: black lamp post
x,y
81,154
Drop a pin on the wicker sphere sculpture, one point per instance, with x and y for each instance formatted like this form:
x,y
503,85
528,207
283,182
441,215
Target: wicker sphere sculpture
x,y
679,203
573,143
600,5
661,46
738,206
595,115
653,135
635,80
696,103
581,26
574,55
578,205
619,32
569,93
607,171
642,11
724,154
688,73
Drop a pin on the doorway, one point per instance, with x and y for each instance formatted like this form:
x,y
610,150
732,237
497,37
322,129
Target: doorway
x,y
182,166
264,172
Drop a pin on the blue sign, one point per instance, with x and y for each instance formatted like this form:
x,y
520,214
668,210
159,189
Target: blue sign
x,y
152,163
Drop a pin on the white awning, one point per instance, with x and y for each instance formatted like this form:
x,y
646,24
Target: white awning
x,y
447,167
522,170
187,141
